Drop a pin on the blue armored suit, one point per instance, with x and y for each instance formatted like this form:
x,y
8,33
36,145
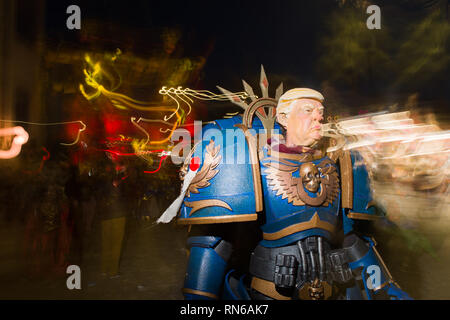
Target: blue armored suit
x,y
305,203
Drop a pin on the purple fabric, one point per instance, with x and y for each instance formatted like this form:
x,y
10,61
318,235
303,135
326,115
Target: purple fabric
x,y
276,145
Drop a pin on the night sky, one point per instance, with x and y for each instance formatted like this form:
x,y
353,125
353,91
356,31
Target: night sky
x,y
284,36
278,34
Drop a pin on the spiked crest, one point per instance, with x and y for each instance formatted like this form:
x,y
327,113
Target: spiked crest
x,y
264,108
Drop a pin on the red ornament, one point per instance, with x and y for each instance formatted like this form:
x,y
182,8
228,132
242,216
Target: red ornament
x,y
195,163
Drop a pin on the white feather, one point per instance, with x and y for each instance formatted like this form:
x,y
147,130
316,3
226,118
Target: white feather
x,y
172,210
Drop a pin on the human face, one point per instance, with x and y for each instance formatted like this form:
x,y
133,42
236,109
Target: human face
x,y
302,124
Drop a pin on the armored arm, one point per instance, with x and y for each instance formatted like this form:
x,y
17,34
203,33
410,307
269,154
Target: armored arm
x,y
206,268
221,192
366,264
370,271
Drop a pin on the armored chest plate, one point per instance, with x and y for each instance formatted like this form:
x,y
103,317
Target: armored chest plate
x,y
301,196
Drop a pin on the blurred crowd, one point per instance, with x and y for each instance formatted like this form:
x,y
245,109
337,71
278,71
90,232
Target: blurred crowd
x,y
62,205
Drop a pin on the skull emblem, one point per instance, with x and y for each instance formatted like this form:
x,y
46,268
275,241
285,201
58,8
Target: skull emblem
x,y
310,177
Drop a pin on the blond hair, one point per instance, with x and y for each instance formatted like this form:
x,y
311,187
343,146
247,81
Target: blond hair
x,y
285,102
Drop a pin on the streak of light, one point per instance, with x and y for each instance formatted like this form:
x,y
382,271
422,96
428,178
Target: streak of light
x,y
205,95
54,124
44,158
397,150
130,154
159,166
123,101
174,126
162,154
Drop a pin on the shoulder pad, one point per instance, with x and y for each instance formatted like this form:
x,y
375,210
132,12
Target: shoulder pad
x,y
363,204
231,122
223,189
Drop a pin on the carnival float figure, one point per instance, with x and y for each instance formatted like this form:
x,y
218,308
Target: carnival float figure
x,y
269,165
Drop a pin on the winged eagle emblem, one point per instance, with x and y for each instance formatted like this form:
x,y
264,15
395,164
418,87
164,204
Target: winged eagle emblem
x,y
208,170
280,178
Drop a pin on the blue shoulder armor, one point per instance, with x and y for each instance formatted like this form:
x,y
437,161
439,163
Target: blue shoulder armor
x,y
357,201
226,183
362,195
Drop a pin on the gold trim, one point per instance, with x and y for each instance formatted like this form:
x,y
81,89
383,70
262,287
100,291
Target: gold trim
x,y
385,284
267,288
383,264
254,161
308,290
200,293
362,216
389,275
219,219
280,178
267,119
187,161
334,156
282,161
315,222
197,205
370,204
314,202
381,286
345,164
208,170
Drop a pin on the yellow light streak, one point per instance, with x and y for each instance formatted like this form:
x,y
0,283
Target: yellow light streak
x,y
186,95
122,101
54,124
181,96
